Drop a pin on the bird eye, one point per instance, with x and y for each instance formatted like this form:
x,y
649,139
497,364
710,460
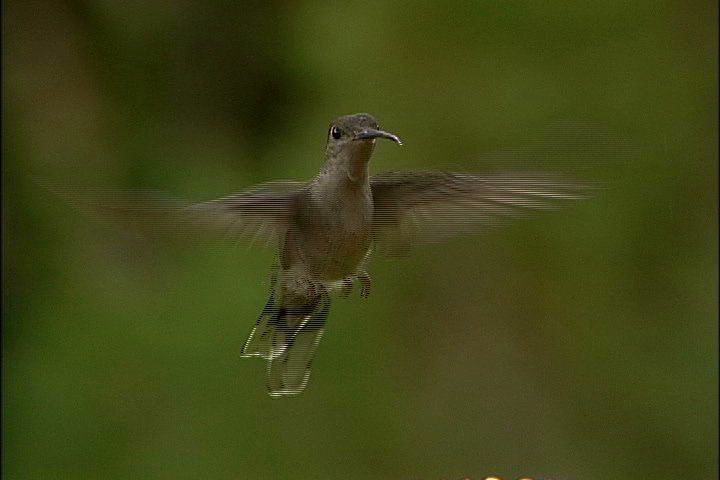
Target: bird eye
x,y
336,133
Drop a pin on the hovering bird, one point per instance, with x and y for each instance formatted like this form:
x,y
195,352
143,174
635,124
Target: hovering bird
x,y
327,228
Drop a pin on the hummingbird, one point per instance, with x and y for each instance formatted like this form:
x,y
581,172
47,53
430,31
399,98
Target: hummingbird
x,y
327,228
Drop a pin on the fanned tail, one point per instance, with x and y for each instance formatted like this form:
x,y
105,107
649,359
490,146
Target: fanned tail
x,y
287,335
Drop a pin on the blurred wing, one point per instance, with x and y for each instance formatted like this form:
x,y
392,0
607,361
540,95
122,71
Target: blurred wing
x,y
428,207
261,213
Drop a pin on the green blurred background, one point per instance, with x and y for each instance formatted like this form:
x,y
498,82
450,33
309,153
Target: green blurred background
x,y
574,345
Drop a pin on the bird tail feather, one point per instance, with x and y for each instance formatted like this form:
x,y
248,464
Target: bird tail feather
x,y
287,335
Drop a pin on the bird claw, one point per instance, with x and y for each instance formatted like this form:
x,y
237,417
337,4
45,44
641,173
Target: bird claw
x,y
316,289
347,285
365,284
346,288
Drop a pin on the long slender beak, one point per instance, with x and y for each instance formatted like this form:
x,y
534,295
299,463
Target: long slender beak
x,y
371,133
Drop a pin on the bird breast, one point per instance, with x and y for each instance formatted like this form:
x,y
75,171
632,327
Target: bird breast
x,y
338,240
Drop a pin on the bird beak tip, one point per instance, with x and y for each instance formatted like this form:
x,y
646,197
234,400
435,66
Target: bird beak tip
x,y
373,134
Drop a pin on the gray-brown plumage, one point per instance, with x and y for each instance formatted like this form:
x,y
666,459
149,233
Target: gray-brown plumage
x,y
326,229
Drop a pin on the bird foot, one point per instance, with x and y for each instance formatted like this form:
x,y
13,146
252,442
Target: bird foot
x,y
365,284
346,288
347,285
316,289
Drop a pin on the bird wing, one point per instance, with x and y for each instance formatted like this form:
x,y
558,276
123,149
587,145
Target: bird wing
x,y
420,207
259,214
262,213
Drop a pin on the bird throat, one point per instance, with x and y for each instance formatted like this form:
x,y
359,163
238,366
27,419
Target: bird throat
x,y
356,165
346,169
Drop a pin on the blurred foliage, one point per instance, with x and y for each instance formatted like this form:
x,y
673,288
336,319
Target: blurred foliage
x,y
580,344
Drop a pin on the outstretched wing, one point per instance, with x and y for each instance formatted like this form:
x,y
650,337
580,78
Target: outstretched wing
x,y
413,208
259,214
